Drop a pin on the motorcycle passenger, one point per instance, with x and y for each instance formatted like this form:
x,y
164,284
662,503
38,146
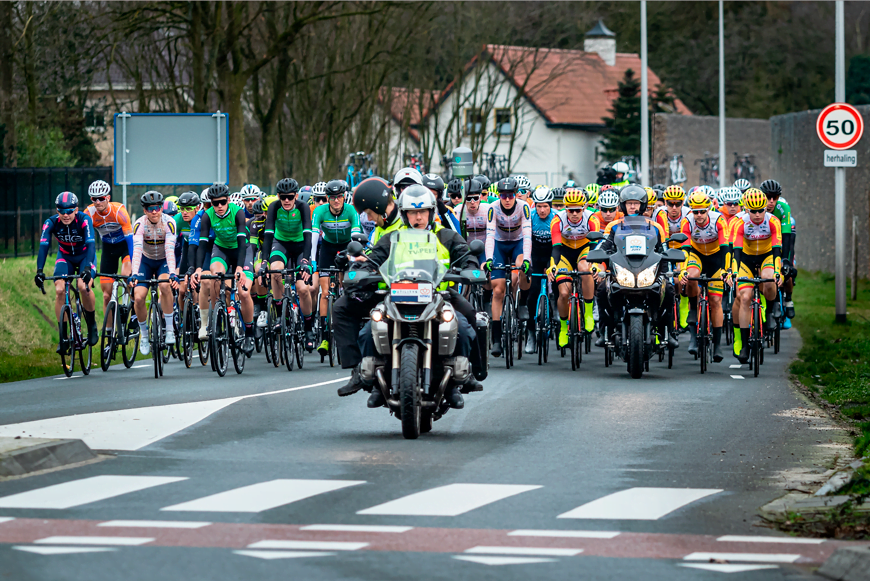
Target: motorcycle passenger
x,y
373,198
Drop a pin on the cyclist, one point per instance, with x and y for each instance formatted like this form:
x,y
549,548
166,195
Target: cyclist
x,y
652,197
305,196
742,185
454,192
250,194
154,237
407,176
288,237
620,168
472,214
112,221
608,208
777,206
559,198
74,231
335,222
707,254
592,192
524,188
485,183
508,241
757,254
318,195
228,254
443,215
373,197
670,218
570,247
254,256
542,248
188,203
660,196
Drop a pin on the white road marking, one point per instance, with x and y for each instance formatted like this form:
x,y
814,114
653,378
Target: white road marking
x,y
154,524
565,534
262,496
450,500
135,428
122,541
83,491
141,366
533,551
309,545
502,560
787,540
61,550
639,503
726,567
748,557
737,377
269,555
737,366
358,528
65,377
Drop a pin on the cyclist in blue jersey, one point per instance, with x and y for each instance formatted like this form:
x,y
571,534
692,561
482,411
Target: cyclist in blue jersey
x,y
542,248
250,194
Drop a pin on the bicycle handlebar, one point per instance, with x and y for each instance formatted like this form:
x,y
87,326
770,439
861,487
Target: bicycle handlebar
x,y
63,277
221,277
756,280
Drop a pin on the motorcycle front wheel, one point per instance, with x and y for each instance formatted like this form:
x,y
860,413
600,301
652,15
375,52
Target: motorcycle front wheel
x,y
635,347
409,391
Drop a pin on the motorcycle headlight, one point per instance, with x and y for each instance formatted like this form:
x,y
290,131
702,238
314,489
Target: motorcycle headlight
x,y
647,276
447,315
624,277
377,315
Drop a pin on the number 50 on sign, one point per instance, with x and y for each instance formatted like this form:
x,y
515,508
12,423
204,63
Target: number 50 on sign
x,y
839,126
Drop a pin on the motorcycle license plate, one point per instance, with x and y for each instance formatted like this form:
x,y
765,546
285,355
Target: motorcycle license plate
x,y
635,245
411,292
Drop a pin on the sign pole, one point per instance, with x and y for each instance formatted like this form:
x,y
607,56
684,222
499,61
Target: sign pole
x,y
840,183
123,115
721,94
644,102
218,179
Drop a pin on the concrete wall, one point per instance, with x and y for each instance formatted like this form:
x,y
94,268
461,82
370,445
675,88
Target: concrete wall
x,y
692,135
797,163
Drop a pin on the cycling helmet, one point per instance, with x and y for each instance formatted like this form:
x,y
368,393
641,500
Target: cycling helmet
x,y
170,199
260,206
287,186
542,195
236,198
675,193
188,199
660,191
708,190
493,189
218,191
771,188
659,187
608,199
742,185
754,199
434,182
304,195
632,192
372,194
730,195
523,183
336,188
169,208
507,185
484,181
592,189
417,197
319,190
699,200
203,197
250,192
606,188
575,197
474,188
569,184
650,197
454,187
151,198
621,167
405,177
100,188
66,200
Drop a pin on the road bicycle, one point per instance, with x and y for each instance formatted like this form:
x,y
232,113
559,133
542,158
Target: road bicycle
x,y
176,350
70,326
119,329
578,338
709,169
677,169
728,315
704,325
190,324
744,167
512,328
226,329
543,320
756,326
326,333
157,333
286,322
494,166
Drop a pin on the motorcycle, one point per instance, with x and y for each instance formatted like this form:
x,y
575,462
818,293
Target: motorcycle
x,y
415,329
636,284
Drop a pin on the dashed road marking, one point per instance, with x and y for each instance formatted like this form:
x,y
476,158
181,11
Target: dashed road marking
x,y
83,491
564,534
262,496
450,500
639,503
748,557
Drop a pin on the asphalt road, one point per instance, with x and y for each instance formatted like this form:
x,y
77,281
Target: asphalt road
x,y
548,473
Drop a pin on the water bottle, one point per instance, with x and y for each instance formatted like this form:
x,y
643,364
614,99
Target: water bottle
x,y
231,311
78,324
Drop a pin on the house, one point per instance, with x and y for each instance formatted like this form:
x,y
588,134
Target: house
x,y
541,108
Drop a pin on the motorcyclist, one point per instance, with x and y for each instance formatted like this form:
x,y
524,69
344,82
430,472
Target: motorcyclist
x,y
374,198
417,211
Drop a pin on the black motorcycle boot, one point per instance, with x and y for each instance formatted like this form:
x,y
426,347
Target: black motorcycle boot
x,y
743,357
376,399
496,339
717,347
353,385
471,384
454,398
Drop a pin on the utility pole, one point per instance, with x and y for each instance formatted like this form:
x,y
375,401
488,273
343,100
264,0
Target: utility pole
x,y
644,102
722,165
840,181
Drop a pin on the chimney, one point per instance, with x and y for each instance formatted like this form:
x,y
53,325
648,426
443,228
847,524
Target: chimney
x,y
601,40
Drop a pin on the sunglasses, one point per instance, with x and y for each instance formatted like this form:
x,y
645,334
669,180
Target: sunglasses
x,y
287,198
99,199
696,212
333,196
187,208
674,204
152,209
732,204
507,196
574,210
472,199
67,211
762,211
221,202
608,210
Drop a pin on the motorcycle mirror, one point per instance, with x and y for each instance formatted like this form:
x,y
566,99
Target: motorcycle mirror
x,y
359,237
597,255
476,247
594,236
674,254
678,237
354,248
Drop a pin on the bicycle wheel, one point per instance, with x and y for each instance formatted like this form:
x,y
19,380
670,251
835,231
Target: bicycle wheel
x,y
154,337
541,317
581,332
65,329
131,333
237,338
519,335
300,337
702,336
188,328
573,339
273,339
86,351
755,341
107,337
507,330
220,338
288,334
327,332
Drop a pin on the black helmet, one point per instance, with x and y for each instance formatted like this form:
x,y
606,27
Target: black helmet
x,y
507,185
218,191
475,187
658,187
336,188
260,206
151,198
454,186
484,181
66,200
287,186
635,193
189,199
660,191
372,194
304,194
434,182
771,188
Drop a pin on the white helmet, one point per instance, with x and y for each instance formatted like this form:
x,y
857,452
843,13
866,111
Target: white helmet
x,y
250,192
408,174
203,197
417,197
742,185
542,195
523,183
608,199
318,190
711,193
730,195
98,189
236,198
620,167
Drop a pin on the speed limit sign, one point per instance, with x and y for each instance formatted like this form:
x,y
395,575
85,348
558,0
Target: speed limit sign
x,y
839,126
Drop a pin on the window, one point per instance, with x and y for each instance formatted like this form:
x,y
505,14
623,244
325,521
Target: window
x,y
473,121
95,118
503,121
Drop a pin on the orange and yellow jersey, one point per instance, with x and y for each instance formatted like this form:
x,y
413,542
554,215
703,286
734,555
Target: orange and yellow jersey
x,y
563,232
706,239
671,227
758,239
113,224
731,223
651,222
599,219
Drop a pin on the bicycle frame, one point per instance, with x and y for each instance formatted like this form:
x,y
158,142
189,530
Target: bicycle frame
x,y
756,328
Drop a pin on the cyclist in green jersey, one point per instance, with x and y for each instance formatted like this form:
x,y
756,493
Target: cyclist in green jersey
x,y
287,236
779,208
228,251
254,255
332,224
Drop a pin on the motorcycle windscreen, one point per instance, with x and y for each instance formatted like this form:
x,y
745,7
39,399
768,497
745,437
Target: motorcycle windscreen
x,y
413,269
635,239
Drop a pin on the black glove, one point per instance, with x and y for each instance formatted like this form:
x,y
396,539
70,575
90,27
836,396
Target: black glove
x,y
306,266
39,279
341,260
86,276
